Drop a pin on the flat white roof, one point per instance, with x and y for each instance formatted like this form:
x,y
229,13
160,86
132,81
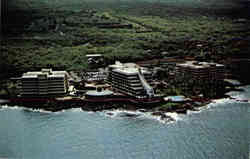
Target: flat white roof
x,y
127,68
52,74
59,75
198,65
59,72
94,55
118,64
130,71
127,71
29,76
96,93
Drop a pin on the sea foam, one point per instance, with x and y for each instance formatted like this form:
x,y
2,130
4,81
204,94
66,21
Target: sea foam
x,y
6,107
120,114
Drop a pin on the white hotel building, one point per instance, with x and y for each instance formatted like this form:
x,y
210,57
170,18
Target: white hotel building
x,y
44,83
125,78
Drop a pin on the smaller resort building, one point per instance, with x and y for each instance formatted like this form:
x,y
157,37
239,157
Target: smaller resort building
x,y
95,94
201,71
130,79
201,78
95,59
43,83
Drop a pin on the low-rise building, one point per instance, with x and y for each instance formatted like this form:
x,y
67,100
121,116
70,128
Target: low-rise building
x,y
44,83
94,76
94,59
95,94
130,79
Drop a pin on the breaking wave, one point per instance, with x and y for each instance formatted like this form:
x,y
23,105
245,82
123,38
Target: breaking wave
x,y
6,107
119,114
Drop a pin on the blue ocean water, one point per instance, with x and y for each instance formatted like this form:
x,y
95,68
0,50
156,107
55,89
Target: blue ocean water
x,y
219,131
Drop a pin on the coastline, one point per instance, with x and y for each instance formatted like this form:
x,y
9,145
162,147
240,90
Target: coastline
x,y
158,106
157,110
131,111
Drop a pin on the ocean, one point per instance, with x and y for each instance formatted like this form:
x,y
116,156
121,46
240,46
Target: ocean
x,y
219,130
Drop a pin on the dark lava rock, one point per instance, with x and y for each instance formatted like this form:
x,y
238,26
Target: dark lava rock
x,y
124,114
110,114
142,110
168,118
198,104
182,111
163,116
158,113
189,106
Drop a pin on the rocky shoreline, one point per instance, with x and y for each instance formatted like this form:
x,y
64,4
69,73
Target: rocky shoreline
x,y
159,110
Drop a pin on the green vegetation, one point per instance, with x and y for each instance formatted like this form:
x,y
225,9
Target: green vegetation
x,y
59,34
168,107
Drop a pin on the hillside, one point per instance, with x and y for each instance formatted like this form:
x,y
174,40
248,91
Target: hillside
x,y
59,34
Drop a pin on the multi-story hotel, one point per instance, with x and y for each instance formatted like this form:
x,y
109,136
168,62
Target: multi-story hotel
x,y
130,79
202,71
201,78
44,83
